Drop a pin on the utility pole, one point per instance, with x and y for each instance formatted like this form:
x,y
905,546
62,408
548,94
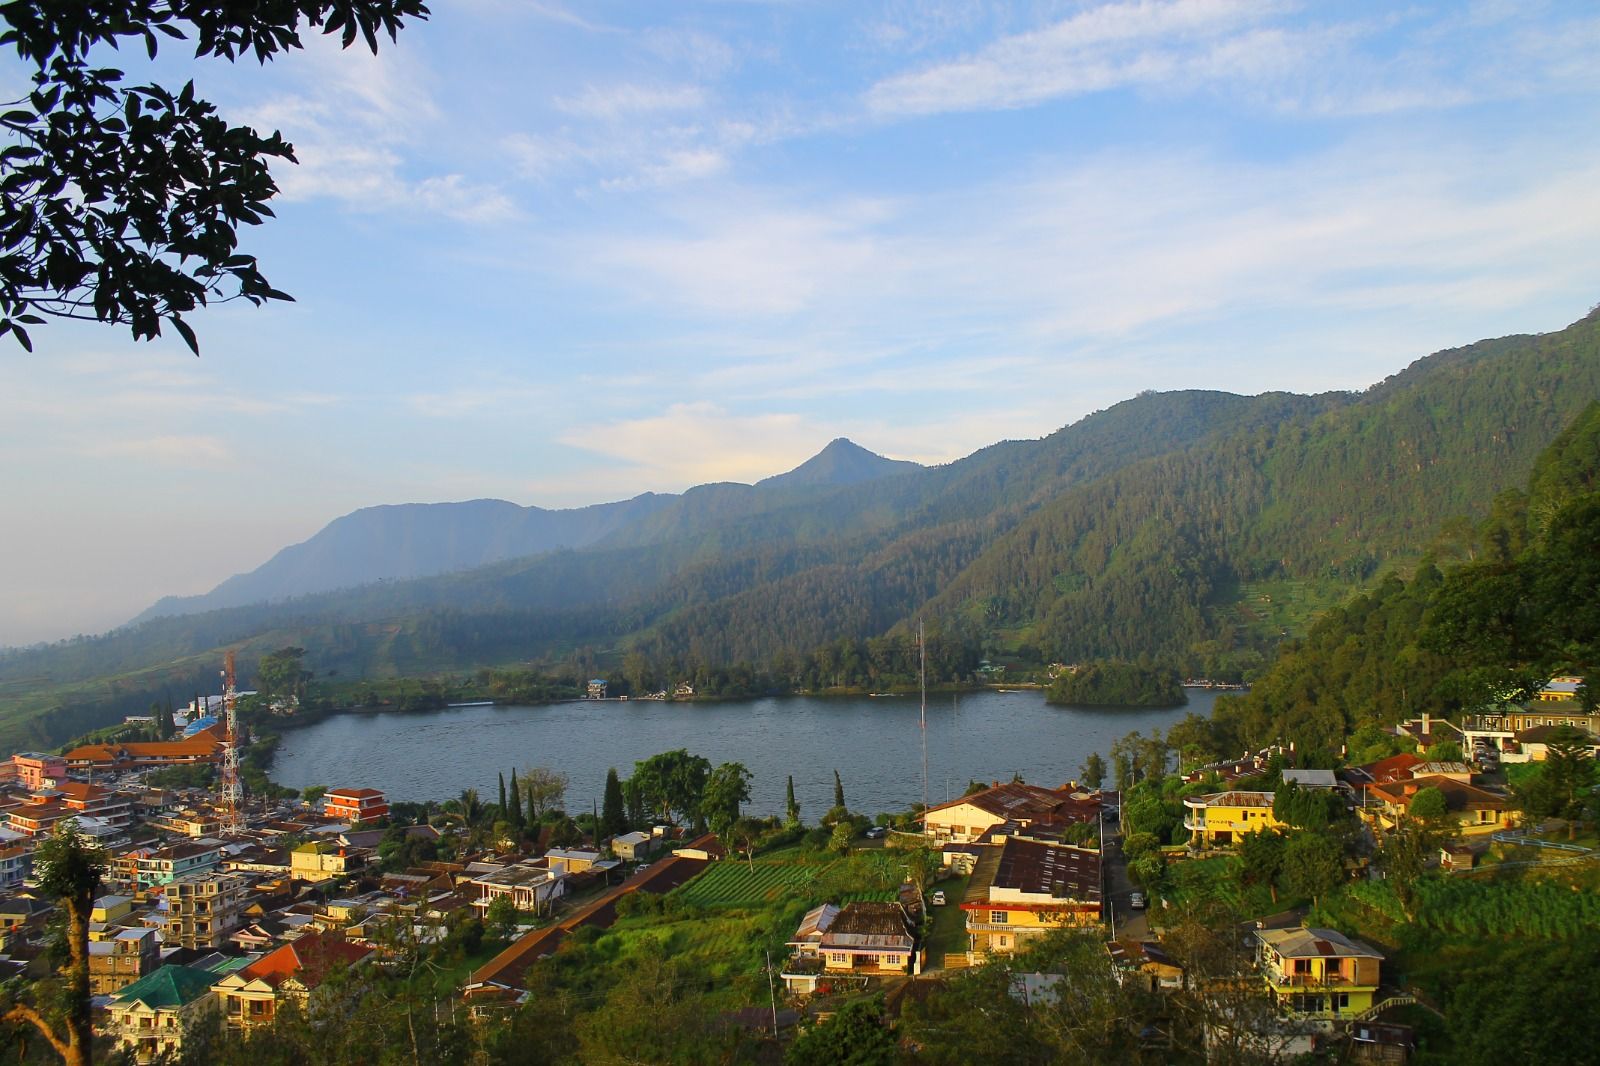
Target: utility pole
x,y
922,646
772,990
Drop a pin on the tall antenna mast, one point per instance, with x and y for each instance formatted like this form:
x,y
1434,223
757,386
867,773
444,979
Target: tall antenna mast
x,y
232,789
922,646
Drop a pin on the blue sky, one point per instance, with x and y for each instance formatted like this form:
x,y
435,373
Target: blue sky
x,y
561,254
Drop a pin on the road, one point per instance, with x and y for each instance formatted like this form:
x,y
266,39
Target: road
x,y
1128,923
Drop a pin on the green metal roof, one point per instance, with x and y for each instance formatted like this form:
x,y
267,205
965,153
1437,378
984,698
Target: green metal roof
x,y
170,986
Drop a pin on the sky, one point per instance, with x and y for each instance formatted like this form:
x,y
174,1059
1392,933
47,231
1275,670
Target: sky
x,y
562,253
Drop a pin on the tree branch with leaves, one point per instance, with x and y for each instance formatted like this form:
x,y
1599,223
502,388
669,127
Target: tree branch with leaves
x,y
122,203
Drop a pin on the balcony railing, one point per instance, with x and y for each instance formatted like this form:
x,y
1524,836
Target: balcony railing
x,y
1308,980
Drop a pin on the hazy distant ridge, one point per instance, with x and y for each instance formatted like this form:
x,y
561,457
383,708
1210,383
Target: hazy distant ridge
x,y
399,541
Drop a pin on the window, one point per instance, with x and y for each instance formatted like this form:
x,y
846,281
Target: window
x,y
839,957
1005,941
1341,1000
999,918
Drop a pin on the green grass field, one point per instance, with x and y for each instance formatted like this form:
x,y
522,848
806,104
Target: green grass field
x,y
736,884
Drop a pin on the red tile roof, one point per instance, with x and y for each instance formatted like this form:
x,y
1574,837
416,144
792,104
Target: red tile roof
x,y
307,960
1394,768
201,744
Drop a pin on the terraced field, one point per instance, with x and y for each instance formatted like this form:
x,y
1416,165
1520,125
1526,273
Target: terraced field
x,y
736,884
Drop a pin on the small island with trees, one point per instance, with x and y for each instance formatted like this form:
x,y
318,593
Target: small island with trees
x,y
1114,683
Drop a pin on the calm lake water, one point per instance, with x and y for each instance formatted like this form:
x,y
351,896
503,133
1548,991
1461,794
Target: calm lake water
x,y
873,742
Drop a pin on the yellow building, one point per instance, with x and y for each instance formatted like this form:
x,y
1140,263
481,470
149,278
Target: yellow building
x,y
151,1017
252,996
109,916
1023,888
1318,973
1220,819
322,860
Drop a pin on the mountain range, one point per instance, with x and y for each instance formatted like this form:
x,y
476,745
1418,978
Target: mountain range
x,y
399,541
1198,525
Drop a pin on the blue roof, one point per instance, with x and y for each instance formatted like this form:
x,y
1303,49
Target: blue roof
x,y
198,724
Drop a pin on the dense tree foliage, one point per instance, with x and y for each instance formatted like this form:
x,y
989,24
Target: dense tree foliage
x,y
122,203
1502,1003
672,785
1308,808
1114,683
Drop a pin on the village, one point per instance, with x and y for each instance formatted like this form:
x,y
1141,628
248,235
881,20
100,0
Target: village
x,y
215,912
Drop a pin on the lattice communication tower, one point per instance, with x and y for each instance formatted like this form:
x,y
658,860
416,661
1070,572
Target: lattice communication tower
x,y
232,787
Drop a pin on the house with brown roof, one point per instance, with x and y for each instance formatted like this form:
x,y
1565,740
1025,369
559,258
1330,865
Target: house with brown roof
x,y
1394,768
165,865
1472,810
1023,888
203,747
1144,964
251,996
868,938
1027,806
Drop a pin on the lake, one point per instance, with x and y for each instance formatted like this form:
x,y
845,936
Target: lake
x,y
872,741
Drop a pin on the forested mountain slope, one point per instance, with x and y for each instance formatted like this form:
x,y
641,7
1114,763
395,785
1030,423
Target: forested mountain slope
x,y
1412,646
1153,557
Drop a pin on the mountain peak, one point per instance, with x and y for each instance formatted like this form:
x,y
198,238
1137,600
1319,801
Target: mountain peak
x,y
841,462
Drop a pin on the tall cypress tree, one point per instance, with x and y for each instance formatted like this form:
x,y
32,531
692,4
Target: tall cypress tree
x,y
791,808
516,818
838,790
505,812
613,812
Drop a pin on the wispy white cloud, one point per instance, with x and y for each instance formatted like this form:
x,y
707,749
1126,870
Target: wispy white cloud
x,y
626,100
674,166
695,443
744,256
170,449
1260,53
470,401
1079,271
705,55
359,123
1103,47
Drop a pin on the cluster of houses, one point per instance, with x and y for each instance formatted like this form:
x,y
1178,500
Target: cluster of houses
x,y
204,922
1029,871
193,924
200,926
